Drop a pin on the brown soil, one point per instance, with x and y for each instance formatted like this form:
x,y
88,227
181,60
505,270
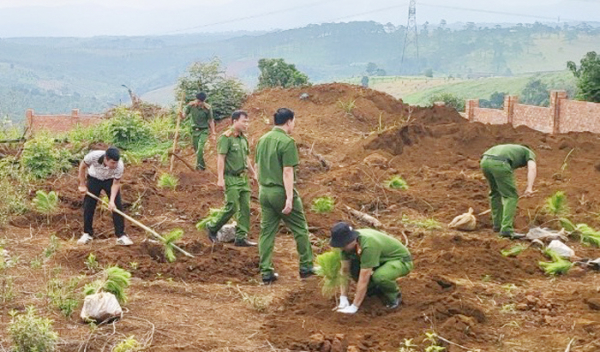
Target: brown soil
x,y
462,287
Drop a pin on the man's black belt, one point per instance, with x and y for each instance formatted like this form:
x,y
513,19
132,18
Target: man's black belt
x,y
498,158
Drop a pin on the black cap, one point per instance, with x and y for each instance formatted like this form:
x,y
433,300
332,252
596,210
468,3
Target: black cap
x,y
342,234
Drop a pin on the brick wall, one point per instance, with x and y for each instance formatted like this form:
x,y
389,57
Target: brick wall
x,y
59,123
561,116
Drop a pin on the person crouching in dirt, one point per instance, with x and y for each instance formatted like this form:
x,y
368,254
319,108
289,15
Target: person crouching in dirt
x,y
375,260
233,165
104,172
498,164
202,119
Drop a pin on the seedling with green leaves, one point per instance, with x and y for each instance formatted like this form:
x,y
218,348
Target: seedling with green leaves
x,y
53,246
169,243
130,344
46,203
114,280
347,106
29,332
557,204
332,279
92,263
514,250
586,233
396,182
61,295
322,205
557,266
168,181
213,214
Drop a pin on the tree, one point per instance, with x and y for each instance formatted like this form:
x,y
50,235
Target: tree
x,y
449,99
278,73
225,94
535,93
428,73
588,77
371,68
496,101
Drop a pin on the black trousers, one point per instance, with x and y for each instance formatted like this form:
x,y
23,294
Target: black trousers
x,y
95,186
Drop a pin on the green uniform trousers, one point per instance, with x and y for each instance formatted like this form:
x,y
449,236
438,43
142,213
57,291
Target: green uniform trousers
x,y
272,202
237,202
383,279
199,138
503,193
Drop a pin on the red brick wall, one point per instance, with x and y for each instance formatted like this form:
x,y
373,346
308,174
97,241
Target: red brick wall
x,y
579,116
562,116
59,123
535,117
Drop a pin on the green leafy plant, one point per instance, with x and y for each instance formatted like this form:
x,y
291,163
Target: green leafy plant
x,y
513,251
169,243
127,128
588,235
213,214
432,339
92,263
7,291
130,344
322,205
567,224
46,203
29,332
396,182
408,346
42,158
557,204
168,181
278,73
332,279
61,294
53,246
556,267
114,280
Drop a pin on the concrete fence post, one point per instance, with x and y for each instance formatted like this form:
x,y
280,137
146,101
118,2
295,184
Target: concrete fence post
x,y
556,98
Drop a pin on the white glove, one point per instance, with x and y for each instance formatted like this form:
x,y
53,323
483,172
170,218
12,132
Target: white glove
x,y
343,302
349,310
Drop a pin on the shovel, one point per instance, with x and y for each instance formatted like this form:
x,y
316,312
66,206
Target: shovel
x,y
135,222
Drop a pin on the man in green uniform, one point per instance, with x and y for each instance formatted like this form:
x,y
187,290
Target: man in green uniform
x,y
276,158
202,119
375,260
233,164
497,165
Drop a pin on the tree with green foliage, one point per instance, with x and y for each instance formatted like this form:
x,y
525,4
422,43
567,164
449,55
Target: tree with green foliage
x,y
278,73
496,101
588,77
535,93
225,94
449,99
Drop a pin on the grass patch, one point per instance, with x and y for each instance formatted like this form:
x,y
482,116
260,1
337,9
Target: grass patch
x,y
396,182
322,205
168,181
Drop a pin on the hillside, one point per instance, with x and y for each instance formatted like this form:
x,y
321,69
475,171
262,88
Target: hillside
x,y
56,74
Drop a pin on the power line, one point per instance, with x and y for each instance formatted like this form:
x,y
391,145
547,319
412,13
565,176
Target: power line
x,y
412,33
250,17
365,13
494,12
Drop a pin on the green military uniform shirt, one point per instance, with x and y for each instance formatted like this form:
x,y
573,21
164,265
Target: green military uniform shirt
x,y
516,155
200,114
236,150
377,248
274,151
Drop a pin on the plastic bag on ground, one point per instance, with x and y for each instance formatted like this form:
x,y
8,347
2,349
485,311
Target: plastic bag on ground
x,y
538,233
464,222
227,233
562,249
101,307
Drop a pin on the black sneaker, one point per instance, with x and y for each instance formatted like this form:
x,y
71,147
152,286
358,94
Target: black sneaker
x,y
212,235
396,303
270,278
304,273
511,235
244,243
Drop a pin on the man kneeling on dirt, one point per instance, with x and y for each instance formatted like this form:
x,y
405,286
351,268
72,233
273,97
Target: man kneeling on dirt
x,y
375,260
104,172
497,164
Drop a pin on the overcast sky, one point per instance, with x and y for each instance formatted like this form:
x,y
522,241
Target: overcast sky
x,y
82,18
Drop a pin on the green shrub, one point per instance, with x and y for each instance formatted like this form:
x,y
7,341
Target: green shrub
x,y
30,333
322,205
449,99
114,280
62,295
396,182
329,270
128,129
12,199
557,204
588,235
168,181
42,158
278,73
